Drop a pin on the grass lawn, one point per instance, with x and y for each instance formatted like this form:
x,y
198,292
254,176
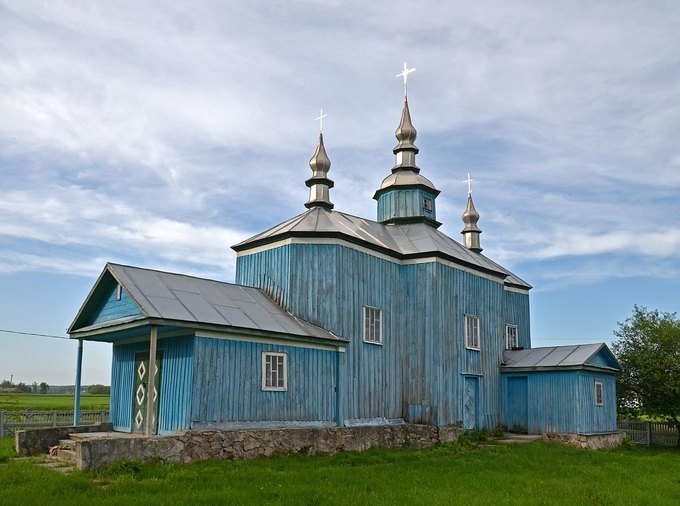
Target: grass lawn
x,y
22,402
536,473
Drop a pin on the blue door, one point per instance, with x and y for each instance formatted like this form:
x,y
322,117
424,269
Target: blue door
x,y
518,404
470,403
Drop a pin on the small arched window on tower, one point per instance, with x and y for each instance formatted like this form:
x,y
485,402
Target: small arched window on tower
x,y
427,204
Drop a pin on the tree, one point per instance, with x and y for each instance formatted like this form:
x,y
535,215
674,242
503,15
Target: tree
x,y
649,351
44,388
99,389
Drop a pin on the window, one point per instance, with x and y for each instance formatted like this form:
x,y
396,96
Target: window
x,y
472,332
119,292
427,204
511,337
274,371
599,394
372,325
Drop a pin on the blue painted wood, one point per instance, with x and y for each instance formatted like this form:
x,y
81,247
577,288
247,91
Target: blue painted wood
x,y
563,401
401,203
176,381
111,309
517,403
227,388
418,368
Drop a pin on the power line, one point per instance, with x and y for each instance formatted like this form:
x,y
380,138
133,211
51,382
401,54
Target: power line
x,y
33,334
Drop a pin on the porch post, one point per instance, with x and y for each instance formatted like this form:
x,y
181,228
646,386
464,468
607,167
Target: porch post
x,y
152,380
79,369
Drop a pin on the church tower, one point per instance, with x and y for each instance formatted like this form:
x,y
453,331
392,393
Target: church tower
x,y
405,196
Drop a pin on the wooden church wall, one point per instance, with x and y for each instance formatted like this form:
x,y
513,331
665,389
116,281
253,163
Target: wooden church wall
x,y
329,287
417,373
227,388
593,418
563,401
176,379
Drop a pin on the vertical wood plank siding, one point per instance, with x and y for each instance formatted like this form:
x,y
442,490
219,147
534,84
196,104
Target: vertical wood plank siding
x,y
593,418
113,309
405,203
564,401
229,387
416,374
176,380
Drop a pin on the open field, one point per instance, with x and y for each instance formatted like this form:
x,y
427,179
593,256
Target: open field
x,y
536,473
22,402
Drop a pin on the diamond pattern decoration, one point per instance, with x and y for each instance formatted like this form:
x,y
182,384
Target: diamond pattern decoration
x,y
139,418
141,370
155,394
140,394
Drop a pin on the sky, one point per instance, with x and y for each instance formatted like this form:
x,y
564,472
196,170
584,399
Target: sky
x,y
158,134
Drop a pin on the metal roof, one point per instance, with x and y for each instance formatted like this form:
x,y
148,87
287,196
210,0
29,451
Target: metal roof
x,y
399,240
176,297
558,356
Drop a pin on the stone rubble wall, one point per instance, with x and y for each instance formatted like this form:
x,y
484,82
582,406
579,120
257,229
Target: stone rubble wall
x,y
605,440
240,444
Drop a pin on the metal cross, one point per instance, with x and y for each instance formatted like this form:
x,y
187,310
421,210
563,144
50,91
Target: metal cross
x,y
404,73
320,120
469,183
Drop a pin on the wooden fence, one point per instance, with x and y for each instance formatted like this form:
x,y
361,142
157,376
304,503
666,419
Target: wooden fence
x,y
11,421
649,433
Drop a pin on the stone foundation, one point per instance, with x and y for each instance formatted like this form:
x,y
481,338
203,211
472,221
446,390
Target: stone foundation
x,y
93,452
596,441
38,441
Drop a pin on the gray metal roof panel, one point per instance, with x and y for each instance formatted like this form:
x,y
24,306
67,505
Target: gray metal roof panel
x,y
185,298
551,356
404,239
581,354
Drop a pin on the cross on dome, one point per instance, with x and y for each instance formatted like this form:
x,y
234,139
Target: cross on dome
x,y
320,120
469,181
404,73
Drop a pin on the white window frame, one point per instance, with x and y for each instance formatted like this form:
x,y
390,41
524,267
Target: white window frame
x,y
119,291
472,338
599,393
371,315
427,204
269,376
511,341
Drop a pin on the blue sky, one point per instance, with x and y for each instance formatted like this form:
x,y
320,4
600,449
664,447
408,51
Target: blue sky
x,y
159,137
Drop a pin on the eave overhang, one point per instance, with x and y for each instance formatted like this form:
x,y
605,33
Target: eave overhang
x,y
369,245
92,333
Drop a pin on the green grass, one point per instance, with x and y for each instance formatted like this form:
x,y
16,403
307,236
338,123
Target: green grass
x,y
536,473
22,402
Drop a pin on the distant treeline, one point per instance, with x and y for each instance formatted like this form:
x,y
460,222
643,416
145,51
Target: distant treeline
x,y
6,386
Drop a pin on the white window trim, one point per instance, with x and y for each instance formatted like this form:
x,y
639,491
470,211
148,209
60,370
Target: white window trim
x,y
268,388
119,292
479,333
508,344
368,340
599,385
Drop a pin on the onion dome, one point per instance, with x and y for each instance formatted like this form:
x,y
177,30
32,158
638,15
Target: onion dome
x,y
319,184
471,231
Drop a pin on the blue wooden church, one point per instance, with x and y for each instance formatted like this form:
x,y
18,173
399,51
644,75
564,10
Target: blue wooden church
x,y
340,320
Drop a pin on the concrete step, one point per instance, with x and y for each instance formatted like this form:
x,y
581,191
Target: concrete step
x,y
509,438
58,465
65,450
67,444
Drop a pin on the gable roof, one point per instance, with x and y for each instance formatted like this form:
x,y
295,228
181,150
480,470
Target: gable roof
x,y
559,357
401,241
169,297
